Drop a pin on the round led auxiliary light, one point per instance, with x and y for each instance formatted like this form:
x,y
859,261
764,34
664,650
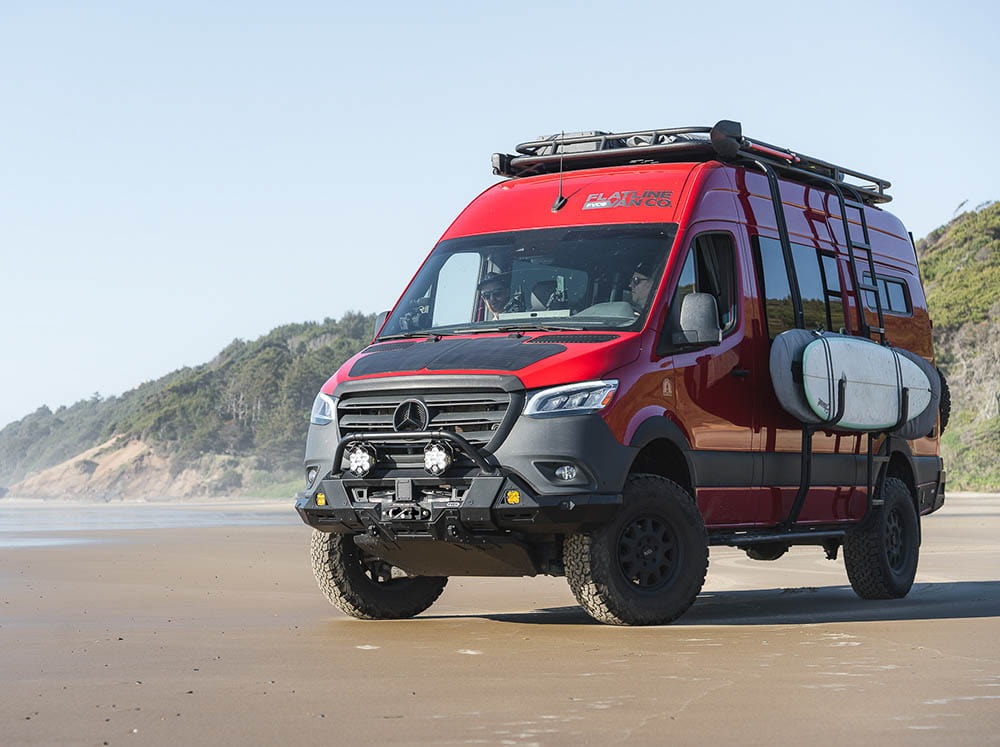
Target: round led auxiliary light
x,y
360,459
438,457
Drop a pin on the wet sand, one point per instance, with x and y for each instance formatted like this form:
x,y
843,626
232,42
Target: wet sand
x,y
207,635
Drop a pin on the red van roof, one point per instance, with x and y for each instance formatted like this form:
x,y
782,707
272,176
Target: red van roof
x,y
629,194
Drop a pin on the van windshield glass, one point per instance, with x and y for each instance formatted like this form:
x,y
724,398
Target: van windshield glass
x,y
593,277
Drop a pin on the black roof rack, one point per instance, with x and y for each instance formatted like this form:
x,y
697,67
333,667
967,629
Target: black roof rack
x,y
724,142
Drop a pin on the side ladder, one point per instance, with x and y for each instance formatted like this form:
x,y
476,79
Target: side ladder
x,y
876,464
857,273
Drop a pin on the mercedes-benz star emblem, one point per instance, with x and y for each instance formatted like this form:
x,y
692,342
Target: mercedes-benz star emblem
x,y
411,415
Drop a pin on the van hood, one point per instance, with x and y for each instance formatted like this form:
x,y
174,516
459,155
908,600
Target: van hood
x,y
538,360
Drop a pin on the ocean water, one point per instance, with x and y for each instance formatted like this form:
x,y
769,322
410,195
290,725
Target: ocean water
x,y
24,525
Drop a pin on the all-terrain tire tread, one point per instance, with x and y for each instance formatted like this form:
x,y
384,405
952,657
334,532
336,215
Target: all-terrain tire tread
x,y
863,548
945,404
327,553
581,557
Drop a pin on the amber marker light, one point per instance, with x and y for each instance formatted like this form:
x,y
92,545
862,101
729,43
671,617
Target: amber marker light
x,y
513,497
321,499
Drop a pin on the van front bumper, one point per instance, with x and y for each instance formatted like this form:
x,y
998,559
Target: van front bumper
x,y
459,510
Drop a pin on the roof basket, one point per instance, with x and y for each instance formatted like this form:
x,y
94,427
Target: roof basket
x,y
724,142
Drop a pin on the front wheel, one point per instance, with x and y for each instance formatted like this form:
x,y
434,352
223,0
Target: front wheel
x,y
881,554
364,586
647,565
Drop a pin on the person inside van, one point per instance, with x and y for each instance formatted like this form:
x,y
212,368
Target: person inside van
x,y
640,285
495,292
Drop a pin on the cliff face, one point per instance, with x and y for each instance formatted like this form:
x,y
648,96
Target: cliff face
x,y
960,264
124,469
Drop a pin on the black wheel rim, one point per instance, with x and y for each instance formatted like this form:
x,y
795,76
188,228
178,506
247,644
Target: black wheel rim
x,y
895,540
648,553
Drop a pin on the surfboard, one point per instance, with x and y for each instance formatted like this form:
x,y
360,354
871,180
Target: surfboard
x,y
875,376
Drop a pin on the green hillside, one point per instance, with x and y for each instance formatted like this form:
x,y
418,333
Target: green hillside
x,y
250,403
960,264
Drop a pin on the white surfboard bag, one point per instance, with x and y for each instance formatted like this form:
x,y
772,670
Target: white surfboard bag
x,y
809,370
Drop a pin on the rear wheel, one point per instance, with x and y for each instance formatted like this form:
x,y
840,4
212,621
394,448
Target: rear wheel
x,y
366,587
881,554
945,403
647,565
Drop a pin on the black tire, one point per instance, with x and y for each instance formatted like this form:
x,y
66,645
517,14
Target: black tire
x,y
647,565
945,403
767,551
881,555
364,586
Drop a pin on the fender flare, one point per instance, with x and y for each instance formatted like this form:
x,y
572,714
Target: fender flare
x,y
900,446
659,427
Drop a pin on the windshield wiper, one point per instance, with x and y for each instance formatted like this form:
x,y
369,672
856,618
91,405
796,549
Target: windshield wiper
x,y
530,327
425,333
543,327
401,335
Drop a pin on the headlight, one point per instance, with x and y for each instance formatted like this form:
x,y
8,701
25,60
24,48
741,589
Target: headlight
x,y
324,409
587,396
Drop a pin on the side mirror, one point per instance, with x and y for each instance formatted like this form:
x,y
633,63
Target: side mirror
x,y
379,321
699,321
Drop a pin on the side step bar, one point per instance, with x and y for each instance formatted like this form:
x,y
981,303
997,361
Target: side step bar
x,y
799,537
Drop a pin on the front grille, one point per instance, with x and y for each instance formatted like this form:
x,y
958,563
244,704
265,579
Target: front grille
x,y
477,416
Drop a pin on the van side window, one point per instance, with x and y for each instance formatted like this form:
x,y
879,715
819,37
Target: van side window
x,y
779,312
810,286
710,267
819,287
895,298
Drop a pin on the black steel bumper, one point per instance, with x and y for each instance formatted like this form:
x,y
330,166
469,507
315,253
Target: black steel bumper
x,y
479,505
454,508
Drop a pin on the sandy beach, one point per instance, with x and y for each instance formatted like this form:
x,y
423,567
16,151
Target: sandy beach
x,y
201,633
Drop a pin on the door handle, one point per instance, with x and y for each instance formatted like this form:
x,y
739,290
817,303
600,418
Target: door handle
x,y
740,373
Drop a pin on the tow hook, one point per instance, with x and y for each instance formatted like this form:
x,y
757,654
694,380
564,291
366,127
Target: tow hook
x,y
407,513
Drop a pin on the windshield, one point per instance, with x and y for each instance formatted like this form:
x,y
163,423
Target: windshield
x,y
594,277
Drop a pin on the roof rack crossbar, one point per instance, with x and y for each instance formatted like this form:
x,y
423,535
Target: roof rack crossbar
x,y
724,141
533,146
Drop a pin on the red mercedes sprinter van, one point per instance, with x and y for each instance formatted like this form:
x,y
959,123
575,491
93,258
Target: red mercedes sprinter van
x,y
636,346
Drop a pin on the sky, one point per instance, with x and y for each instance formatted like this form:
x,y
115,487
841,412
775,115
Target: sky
x,y
174,175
